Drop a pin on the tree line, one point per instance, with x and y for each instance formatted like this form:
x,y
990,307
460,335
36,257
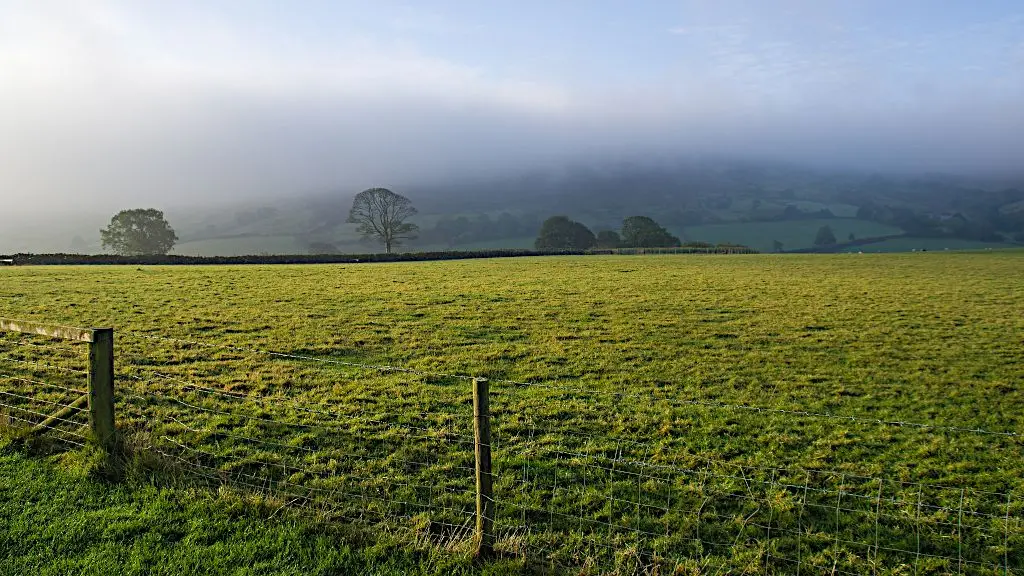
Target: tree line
x,y
561,233
383,216
380,214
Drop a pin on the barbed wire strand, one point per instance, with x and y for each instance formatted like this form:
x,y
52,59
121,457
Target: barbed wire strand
x,y
50,402
41,383
44,415
69,347
44,365
40,425
61,430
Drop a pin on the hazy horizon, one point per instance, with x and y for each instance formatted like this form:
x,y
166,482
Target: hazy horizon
x,y
112,104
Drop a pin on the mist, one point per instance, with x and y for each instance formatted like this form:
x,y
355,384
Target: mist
x,y
106,105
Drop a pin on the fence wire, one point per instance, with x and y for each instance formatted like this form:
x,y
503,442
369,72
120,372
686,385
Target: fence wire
x,y
609,503
42,382
581,499
410,472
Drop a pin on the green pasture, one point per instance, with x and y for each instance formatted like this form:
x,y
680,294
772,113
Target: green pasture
x,y
739,414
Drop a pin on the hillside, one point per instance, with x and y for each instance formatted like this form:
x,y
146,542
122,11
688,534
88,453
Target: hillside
x,y
714,201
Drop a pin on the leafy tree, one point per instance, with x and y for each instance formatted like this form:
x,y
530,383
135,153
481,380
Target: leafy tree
x,y
642,232
776,246
142,231
381,215
851,237
561,233
825,236
608,239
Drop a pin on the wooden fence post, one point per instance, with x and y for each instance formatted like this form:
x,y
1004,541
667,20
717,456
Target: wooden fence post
x,y
101,388
485,505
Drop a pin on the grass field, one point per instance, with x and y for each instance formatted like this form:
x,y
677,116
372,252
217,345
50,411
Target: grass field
x,y
670,411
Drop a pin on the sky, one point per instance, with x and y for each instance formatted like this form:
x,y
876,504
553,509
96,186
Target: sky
x,y
108,104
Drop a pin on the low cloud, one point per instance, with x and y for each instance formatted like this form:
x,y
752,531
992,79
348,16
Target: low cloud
x,y
106,106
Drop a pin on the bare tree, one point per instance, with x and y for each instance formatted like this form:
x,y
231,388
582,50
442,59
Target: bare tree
x,y
382,214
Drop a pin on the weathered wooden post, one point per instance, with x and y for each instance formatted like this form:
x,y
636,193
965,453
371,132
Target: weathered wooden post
x,y
101,388
485,505
100,398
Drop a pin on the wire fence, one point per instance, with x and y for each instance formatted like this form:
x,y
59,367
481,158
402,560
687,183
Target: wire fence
x,y
41,384
392,447
635,510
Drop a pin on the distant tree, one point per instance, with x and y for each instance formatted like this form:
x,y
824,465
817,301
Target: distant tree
x,y
776,246
381,215
851,237
561,233
642,232
825,236
142,231
608,239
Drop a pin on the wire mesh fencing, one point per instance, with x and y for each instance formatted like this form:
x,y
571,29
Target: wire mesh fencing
x,y
363,456
43,383
584,481
614,488
635,508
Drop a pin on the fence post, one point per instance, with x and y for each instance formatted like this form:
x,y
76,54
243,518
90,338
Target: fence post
x,y
101,388
485,507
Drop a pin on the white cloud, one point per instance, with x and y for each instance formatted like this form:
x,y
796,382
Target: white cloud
x,y
106,101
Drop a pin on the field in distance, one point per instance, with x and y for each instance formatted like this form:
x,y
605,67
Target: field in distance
x,y
890,340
